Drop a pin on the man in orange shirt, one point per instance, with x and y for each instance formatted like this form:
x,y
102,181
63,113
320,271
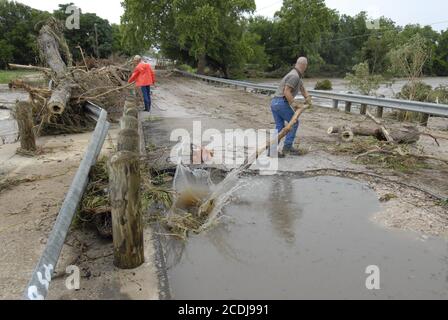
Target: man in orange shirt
x,y
144,77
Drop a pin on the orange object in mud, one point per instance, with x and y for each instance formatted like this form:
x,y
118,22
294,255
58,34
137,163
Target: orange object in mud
x,y
200,155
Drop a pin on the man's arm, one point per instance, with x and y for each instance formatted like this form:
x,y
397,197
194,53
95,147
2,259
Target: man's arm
x,y
288,93
153,74
306,95
134,75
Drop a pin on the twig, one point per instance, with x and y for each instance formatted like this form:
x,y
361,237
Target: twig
x,y
105,93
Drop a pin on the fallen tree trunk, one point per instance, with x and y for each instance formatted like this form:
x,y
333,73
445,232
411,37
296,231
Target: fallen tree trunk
x,y
405,135
24,117
24,67
49,48
59,99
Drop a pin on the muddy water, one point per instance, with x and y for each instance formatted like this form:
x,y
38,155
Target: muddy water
x,y
8,126
289,238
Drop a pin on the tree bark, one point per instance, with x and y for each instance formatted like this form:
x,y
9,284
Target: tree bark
x,y
128,140
49,49
405,135
127,224
24,117
129,122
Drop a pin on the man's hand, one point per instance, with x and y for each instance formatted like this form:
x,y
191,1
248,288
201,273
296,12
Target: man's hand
x,y
296,106
309,100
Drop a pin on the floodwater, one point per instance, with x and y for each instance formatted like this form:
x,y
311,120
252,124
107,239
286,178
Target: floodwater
x,y
286,237
8,126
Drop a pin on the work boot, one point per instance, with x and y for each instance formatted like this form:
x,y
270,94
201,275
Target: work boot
x,y
291,151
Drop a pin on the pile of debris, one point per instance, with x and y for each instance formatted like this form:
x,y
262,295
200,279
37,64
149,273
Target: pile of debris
x,y
59,108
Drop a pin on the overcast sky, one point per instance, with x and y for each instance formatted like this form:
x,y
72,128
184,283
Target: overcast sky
x,y
433,12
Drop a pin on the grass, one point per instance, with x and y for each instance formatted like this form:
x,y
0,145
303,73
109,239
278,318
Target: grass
x,y
7,76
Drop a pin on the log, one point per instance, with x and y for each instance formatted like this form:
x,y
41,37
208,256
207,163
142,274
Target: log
x,y
404,135
127,224
49,48
128,140
24,67
383,128
347,135
358,131
24,116
59,99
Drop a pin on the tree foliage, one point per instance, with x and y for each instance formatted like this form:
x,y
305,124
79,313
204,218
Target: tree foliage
x,y
362,80
18,33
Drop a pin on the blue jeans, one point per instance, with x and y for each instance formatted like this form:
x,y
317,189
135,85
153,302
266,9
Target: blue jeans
x,y
283,113
147,97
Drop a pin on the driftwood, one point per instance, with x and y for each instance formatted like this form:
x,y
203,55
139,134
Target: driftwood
x,y
24,116
383,128
402,135
49,44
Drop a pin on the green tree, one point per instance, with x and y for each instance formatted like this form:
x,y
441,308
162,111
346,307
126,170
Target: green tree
x,y
440,55
18,33
362,80
95,35
205,31
303,25
409,60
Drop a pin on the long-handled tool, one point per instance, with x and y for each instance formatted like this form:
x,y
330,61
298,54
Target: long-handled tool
x,y
208,205
250,160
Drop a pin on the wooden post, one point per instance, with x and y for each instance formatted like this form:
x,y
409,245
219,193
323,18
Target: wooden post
x,y
348,106
127,223
24,117
424,119
335,104
379,112
363,109
132,112
128,140
129,122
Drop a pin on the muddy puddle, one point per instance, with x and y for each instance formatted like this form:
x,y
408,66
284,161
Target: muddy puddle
x,y
286,237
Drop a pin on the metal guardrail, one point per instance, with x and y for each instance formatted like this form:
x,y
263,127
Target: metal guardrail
x,y
422,107
37,288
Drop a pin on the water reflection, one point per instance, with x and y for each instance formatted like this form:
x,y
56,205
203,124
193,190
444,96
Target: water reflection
x,y
284,213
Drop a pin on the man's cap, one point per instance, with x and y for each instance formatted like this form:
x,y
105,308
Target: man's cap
x,y
137,58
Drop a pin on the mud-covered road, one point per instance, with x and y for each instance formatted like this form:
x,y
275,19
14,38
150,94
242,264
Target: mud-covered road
x,y
179,101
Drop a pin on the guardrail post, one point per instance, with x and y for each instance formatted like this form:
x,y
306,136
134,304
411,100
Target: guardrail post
x,y
127,224
24,117
335,104
424,119
363,109
124,185
348,106
379,112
